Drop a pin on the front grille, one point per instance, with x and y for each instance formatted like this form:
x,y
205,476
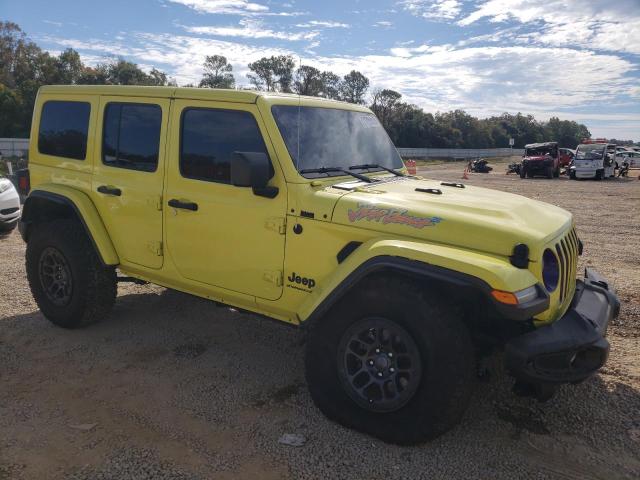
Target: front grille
x,y
567,251
7,211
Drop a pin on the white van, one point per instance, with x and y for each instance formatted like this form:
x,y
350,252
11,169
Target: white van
x,y
594,160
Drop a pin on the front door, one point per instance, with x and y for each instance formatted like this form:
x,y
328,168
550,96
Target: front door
x,y
128,175
216,233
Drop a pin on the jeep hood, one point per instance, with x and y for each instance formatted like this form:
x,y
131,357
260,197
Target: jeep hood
x,y
537,158
469,217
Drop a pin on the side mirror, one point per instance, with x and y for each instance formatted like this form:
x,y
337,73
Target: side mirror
x,y
252,169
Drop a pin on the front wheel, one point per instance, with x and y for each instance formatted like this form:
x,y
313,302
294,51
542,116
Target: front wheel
x,y
68,282
549,172
400,369
523,172
599,174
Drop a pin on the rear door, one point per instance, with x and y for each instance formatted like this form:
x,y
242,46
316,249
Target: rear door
x,y
220,234
128,175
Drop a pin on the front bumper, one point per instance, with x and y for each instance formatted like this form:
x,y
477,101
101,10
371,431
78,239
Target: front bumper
x,y
573,347
537,165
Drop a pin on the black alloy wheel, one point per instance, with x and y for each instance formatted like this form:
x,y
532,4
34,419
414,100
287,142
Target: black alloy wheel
x,y
55,276
379,364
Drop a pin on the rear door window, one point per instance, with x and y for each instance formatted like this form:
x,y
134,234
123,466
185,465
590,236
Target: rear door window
x,y
131,137
63,129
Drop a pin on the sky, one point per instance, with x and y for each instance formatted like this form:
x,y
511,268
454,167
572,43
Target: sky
x,y
576,59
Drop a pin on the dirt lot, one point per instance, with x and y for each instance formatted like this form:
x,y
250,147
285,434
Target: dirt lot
x,y
172,386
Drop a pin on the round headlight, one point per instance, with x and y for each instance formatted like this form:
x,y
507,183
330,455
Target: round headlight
x,y
550,270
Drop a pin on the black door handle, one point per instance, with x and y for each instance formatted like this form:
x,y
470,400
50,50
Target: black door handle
x,y
109,190
175,203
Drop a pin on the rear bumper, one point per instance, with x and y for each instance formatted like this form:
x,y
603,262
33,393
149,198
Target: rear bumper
x,y
572,348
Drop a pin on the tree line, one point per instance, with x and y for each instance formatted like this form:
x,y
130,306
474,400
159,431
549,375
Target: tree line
x,y
24,67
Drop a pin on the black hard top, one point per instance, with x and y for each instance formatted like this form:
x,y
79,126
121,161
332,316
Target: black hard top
x,y
539,145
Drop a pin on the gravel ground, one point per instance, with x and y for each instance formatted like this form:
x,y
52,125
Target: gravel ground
x,y
173,387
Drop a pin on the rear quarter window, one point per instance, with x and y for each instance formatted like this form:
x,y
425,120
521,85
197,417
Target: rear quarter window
x,y
63,129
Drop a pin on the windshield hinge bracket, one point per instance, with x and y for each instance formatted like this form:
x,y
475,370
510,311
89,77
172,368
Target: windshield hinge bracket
x,y
273,276
277,224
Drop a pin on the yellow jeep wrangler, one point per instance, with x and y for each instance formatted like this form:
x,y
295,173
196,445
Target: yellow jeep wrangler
x,y
300,209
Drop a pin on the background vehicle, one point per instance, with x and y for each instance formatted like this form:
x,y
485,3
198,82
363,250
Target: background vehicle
x,y
630,157
541,159
9,205
300,209
480,165
566,156
594,160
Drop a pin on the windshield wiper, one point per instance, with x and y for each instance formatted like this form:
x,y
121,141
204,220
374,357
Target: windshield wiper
x,y
337,169
375,165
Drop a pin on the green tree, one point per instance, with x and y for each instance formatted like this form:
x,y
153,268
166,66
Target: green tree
x,y
308,81
384,104
217,73
330,85
273,74
354,87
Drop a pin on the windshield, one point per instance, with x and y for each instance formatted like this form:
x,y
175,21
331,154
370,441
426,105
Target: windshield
x,y
539,152
590,152
329,137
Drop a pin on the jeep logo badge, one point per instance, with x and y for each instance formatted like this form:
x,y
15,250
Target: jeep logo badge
x,y
306,282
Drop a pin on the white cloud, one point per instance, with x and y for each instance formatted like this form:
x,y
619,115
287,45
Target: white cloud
x,y
433,9
324,24
593,24
237,7
51,22
483,80
383,24
251,29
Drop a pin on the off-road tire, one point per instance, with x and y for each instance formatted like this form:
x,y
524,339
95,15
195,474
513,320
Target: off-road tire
x,y
94,287
523,172
548,171
556,173
572,175
446,353
599,174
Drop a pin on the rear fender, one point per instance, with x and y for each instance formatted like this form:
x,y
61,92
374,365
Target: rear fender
x,y
51,201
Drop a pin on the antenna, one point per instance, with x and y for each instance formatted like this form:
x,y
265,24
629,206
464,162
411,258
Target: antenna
x,y
299,108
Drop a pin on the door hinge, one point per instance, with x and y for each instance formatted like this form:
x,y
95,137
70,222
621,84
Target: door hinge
x,y
155,201
155,248
277,224
273,276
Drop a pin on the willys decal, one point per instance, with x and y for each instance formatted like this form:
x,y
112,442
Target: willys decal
x,y
390,215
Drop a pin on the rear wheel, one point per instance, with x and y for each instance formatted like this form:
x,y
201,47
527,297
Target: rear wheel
x,y
523,171
68,282
400,369
556,173
599,174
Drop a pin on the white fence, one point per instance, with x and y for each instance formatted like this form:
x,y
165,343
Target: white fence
x,y
19,147
458,153
14,147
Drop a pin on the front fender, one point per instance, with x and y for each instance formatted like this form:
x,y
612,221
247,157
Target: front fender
x,y
439,262
80,204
